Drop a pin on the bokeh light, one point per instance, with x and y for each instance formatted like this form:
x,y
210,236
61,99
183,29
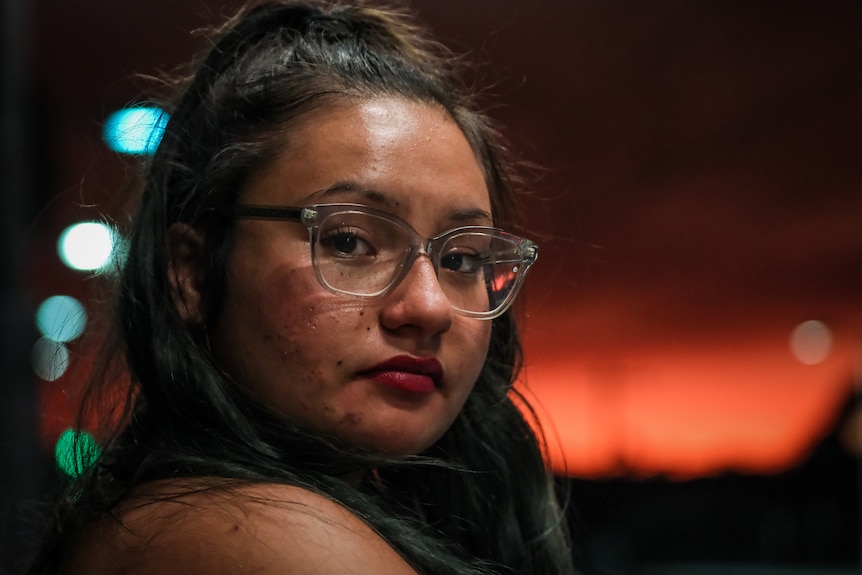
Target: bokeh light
x,y
75,451
50,359
136,130
811,342
87,245
61,318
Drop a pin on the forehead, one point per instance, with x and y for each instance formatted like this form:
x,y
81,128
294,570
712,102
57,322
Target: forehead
x,y
410,155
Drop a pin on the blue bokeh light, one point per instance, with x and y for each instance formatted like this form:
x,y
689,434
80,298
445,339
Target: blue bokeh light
x,y
61,318
136,131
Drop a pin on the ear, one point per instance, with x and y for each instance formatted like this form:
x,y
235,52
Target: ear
x,y
186,271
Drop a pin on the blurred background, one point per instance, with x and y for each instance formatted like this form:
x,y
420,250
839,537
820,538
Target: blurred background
x,y
693,328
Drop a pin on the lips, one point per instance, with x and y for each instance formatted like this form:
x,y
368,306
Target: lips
x,y
407,373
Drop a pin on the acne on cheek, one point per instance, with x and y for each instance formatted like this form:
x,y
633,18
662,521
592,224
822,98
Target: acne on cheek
x,y
362,313
291,346
311,322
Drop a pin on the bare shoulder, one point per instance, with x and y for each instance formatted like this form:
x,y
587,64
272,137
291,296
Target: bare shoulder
x,y
259,529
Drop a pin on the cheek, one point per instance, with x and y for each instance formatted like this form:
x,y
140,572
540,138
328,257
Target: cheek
x,y
266,319
311,335
482,336
472,347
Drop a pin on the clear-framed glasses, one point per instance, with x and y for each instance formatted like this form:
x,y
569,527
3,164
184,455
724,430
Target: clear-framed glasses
x,y
363,252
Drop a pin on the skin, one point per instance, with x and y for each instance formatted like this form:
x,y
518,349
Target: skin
x,y
261,529
301,349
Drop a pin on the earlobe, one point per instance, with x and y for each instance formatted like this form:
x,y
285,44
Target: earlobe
x,y
185,247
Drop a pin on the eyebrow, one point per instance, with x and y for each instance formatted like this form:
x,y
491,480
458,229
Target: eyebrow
x,y
381,199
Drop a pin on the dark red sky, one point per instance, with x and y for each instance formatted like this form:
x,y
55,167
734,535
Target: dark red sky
x,y
700,195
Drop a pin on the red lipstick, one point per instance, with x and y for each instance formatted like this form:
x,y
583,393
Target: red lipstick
x,y
407,373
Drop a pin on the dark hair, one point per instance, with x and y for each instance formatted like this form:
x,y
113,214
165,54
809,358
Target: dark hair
x,y
269,67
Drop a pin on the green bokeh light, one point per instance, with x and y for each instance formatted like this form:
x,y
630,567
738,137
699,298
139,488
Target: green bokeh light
x,y
75,451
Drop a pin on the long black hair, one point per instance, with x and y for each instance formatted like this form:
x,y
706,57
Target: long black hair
x,y
480,500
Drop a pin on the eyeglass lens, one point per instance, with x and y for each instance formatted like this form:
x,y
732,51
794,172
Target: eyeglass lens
x,y
363,254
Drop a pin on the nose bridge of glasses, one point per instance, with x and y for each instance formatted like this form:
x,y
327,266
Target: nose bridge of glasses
x,y
430,248
419,283
412,256
418,245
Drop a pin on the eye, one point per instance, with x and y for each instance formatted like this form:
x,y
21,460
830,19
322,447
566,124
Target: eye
x,y
465,263
346,242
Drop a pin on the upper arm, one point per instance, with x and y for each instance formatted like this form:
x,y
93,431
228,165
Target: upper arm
x,y
274,530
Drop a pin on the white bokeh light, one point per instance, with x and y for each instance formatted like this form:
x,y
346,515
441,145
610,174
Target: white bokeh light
x,y
87,245
50,359
811,342
61,318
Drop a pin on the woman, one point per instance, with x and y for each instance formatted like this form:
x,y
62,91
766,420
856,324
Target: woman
x,y
314,315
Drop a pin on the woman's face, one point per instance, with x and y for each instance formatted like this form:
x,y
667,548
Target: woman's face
x,y
388,374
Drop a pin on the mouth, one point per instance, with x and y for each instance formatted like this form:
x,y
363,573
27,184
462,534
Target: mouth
x,y
407,373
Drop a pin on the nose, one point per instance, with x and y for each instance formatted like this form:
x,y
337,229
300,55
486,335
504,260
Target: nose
x,y
418,303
